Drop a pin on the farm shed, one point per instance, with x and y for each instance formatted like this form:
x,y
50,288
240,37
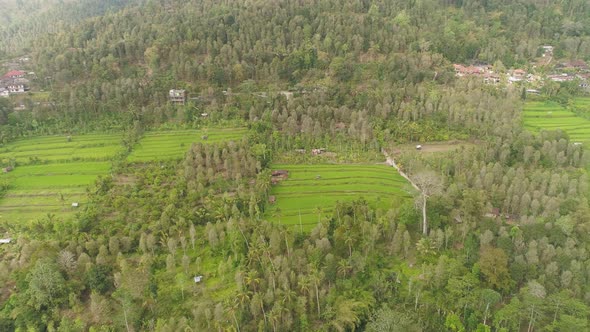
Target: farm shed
x,y
280,173
5,241
272,199
75,204
198,279
7,169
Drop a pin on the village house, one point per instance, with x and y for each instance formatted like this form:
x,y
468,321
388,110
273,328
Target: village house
x,y
491,78
14,74
4,93
317,152
547,50
177,96
14,87
574,65
461,70
560,78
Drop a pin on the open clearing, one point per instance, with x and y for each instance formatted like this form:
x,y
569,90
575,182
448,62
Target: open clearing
x,y
52,173
550,115
173,144
312,190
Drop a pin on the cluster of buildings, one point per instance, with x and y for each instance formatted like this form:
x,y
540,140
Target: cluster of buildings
x,y
561,71
13,82
487,74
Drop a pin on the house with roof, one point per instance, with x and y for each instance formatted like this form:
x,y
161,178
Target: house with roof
x,y
4,93
574,65
177,96
547,50
14,74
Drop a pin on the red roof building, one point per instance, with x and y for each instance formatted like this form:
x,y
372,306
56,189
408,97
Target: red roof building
x,y
14,74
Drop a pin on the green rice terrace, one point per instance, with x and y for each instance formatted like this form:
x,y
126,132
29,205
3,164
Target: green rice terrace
x,y
310,191
549,115
167,145
52,174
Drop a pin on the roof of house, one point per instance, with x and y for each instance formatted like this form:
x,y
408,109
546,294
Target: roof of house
x,y
14,73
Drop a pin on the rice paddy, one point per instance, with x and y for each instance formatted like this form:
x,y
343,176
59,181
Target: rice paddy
x,y
548,115
312,191
51,173
167,145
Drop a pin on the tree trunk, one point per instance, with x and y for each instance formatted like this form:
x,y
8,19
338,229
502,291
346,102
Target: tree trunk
x,y
424,221
317,298
530,328
126,323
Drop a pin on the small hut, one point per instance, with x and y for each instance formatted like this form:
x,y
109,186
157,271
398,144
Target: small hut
x,y
272,199
7,169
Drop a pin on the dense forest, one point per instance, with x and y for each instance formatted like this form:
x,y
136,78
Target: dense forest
x,y
507,240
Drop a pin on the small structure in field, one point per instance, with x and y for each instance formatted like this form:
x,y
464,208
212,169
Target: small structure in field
x,y
204,115
317,177
5,241
577,143
7,169
317,152
418,147
75,204
300,150
494,213
205,137
198,279
177,97
272,199
279,175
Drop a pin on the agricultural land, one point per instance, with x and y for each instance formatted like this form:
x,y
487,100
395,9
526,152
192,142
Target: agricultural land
x,y
51,173
311,191
167,145
549,115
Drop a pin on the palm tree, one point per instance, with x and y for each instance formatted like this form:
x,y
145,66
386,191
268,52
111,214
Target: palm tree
x,y
316,277
252,279
344,267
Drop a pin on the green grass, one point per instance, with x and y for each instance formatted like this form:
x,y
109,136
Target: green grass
x,y
302,198
167,145
52,173
539,115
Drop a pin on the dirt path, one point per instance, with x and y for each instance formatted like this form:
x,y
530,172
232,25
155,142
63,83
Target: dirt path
x,y
390,161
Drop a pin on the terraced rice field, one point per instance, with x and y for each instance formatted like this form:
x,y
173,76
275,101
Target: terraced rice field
x,y
540,115
312,190
53,173
167,145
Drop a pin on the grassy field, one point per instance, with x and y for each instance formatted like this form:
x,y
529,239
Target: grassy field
x,y
52,173
166,145
304,197
549,115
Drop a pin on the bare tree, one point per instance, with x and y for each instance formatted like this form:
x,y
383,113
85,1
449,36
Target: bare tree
x,y
430,184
